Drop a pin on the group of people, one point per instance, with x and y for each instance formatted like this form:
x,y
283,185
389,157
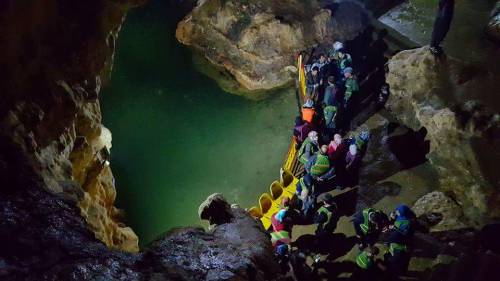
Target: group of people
x,y
398,229
331,86
331,160
372,226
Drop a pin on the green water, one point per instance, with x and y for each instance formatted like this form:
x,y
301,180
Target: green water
x,y
177,137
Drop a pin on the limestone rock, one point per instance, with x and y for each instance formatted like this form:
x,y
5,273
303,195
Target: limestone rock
x,y
215,209
50,115
254,42
493,28
437,202
237,250
423,94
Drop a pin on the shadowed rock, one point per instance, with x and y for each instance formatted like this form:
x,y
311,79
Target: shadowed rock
x,y
493,28
215,209
254,43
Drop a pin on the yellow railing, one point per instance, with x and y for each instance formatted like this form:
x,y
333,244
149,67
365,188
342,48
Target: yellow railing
x,y
269,203
302,77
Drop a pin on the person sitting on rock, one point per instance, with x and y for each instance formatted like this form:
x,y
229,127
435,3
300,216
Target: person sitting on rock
x,y
368,224
308,112
313,81
351,85
308,147
319,167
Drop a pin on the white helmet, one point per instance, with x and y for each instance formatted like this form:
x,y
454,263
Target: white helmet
x,y
338,45
313,135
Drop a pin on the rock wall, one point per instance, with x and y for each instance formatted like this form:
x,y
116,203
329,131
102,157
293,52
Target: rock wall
x,y
424,93
57,193
493,27
54,59
254,43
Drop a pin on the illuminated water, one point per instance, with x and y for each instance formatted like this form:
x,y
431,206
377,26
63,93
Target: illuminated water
x,y
177,137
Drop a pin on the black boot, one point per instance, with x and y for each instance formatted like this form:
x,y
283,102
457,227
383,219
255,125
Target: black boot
x,y
436,51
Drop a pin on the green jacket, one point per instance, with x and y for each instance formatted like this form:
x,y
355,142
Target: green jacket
x,y
306,145
395,248
328,214
351,86
330,113
364,260
321,166
344,62
366,226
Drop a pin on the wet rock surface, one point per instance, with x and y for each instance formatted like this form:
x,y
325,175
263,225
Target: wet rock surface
x,y
254,43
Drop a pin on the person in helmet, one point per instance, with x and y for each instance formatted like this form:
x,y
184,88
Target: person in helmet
x,y
308,112
351,85
334,52
308,147
403,220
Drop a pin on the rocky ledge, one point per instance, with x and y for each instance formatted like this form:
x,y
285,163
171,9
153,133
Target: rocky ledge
x,y
46,239
426,94
254,43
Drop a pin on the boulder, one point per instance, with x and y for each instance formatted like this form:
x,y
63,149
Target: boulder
x,y
425,93
253,44
437,204
215,209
